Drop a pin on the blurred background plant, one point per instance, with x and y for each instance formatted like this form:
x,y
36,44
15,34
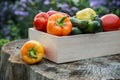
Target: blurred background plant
x,y
2,42
106,6
16,16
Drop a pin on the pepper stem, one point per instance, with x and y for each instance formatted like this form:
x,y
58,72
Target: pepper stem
x,y
32,53
92,17
60,22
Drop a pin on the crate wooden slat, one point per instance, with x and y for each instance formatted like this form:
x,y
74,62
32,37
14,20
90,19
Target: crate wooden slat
x,y
77,47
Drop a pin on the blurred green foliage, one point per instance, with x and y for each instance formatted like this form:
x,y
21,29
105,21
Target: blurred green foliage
x,y
17,15
2,42
103,7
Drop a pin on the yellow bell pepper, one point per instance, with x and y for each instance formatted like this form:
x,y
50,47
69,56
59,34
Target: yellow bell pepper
x,y
86,14
32,52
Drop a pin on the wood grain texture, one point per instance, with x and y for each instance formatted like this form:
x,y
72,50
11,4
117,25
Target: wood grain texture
x,y
13,68
83,46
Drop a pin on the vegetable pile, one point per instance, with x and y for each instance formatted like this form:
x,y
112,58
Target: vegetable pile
x,y
61,24
83,22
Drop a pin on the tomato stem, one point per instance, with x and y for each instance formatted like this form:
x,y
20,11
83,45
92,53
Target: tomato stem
x,y
32,53
60,22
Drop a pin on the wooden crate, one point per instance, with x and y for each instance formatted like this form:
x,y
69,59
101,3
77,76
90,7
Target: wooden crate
x,y
77,47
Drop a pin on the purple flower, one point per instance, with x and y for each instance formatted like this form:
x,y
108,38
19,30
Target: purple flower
x,y
6,30
118,3
64,7
74,9
113,2
8,37
14,7
94,3
21,13
4,8
46,2
23,0
22,3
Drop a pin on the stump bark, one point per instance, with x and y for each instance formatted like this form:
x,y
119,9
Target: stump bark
x,y
13,68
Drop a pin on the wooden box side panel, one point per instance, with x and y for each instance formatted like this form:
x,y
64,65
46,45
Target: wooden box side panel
x,y
49,42
72,48
88,45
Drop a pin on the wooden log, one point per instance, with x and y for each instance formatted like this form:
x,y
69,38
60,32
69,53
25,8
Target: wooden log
x,y
13,68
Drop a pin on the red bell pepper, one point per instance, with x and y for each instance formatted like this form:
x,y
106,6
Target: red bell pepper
x,y
40,21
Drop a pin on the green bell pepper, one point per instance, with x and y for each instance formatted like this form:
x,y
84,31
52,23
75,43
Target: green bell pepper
x,y
81,24
94,26
75,31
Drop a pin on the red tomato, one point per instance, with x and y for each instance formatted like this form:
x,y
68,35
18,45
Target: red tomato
x,y
40,21
119,23
110,22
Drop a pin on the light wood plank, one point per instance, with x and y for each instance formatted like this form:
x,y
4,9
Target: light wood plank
x,y
77,47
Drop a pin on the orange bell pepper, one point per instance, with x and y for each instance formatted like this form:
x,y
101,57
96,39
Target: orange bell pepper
x,y
32,52
59,25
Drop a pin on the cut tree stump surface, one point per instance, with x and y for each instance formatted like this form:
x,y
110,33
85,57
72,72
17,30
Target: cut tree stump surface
x,y
13,68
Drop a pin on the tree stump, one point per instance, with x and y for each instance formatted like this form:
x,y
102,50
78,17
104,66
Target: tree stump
x,y
13,68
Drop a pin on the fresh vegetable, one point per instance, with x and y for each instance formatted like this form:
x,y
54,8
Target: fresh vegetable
x,y
119,23
100,21
75,31
110,22
52,12
88,26
93,27
32,52
59,25
40,21
64,14
84,21
81,24
86,14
